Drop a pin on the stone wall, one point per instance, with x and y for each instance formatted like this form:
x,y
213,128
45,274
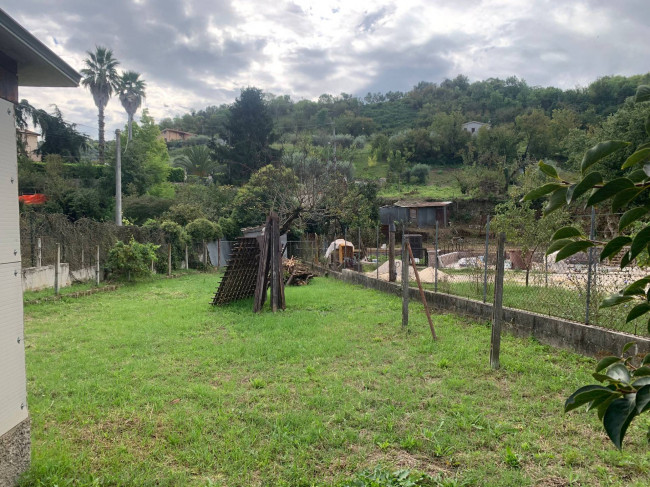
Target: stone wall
x,y
16,453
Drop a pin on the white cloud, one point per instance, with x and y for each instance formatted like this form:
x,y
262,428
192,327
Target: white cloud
x,y
198,52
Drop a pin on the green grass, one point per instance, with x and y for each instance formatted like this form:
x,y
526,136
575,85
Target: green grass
x,y
149,385
29,296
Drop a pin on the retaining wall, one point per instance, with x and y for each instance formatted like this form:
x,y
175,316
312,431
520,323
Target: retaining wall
x,y
36,278
579,337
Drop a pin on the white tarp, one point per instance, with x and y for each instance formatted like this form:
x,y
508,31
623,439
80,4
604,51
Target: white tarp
x,y
335,246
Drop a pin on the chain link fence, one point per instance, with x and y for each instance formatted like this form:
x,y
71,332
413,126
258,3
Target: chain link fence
x,y
465,266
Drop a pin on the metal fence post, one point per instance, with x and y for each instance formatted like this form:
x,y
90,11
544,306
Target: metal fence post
x,y
392,274
435,267
405,282
57,269
592,232
497,309
97,267
39,257
377,251
485,261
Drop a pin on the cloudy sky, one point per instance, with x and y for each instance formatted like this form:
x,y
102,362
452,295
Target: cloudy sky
x,y
195,53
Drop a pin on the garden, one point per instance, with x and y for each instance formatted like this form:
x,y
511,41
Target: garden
x,y
150,385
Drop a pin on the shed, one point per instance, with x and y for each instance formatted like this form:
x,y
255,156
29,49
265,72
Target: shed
x,y
417,214
24,61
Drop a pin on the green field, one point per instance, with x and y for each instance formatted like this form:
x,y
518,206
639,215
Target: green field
x,y
148,385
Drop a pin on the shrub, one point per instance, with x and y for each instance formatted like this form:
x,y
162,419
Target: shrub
x,y
176,175
202,229
420,173
131,260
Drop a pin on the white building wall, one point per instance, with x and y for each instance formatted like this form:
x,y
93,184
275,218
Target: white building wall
x,y
13,387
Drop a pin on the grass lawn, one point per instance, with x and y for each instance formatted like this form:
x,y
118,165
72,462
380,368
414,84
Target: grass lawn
x,y
149,385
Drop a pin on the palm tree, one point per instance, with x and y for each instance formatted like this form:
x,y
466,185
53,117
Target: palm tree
x,y
131,92
197,160
100,76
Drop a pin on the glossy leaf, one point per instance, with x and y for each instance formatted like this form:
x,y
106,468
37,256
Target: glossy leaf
x,y
606,362
637,157
610,190
600,151
638,310
573,248
637,288
557,200
643,381
642,93
627,346
646,360
637,176
566,232
625,260
614,246
618,372
630,216
642,371
541,191
646,169
647,125
588,182
618,417
640,242
615,299
643,399
624,197
586,394
548,170
557,245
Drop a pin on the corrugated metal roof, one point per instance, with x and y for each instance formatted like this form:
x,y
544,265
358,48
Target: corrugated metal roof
x,y
422,204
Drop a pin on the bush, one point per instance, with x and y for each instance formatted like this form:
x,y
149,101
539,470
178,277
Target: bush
x,y
420,173
139,209
202,229
131,260
176,175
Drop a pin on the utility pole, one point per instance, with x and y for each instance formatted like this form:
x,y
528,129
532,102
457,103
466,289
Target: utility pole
x,y
334,139
118,179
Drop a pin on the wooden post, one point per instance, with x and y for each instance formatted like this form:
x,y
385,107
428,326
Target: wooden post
x,y
377,249
218,253
405,283
39,258
187,258
435,268
57,269
169,259
485,259
392,275
424,299
82,258
497,309
97,276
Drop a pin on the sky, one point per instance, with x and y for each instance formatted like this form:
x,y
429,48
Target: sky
x,y
195,53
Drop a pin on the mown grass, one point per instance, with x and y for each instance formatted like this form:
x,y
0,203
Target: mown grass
x,y
149,385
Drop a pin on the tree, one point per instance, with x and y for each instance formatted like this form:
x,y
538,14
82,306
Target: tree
x,y
626,393
197,160
523,228
131,93
59,136
100,77
250,127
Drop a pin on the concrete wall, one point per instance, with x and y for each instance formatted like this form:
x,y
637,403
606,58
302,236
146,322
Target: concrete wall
x,y
36,278
585,339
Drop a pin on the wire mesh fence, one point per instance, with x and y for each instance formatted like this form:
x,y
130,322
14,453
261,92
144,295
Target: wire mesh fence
x,y
465,266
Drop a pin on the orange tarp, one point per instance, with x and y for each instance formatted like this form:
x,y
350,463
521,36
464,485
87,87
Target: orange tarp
x,y
33,199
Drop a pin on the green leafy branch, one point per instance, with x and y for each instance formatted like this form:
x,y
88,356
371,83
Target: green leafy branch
x,y
627,390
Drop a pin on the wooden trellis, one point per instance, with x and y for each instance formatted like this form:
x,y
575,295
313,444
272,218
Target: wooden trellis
x,y
255,264
238,281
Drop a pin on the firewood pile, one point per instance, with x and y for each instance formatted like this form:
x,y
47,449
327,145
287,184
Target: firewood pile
x,y
295,272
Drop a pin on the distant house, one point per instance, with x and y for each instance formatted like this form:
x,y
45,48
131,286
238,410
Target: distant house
x,y
172,134
473,126
416,214
30,140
